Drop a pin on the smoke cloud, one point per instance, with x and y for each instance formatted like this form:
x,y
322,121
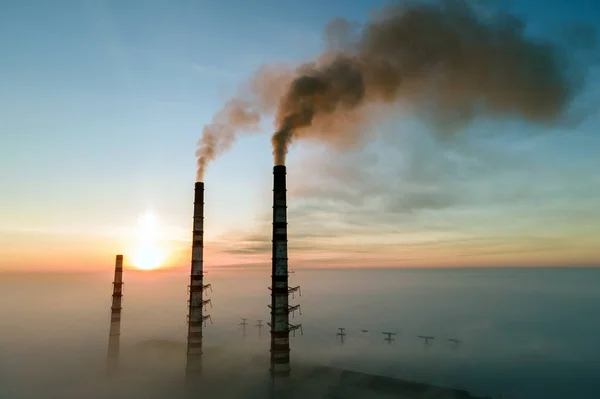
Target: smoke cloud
x,y
445,60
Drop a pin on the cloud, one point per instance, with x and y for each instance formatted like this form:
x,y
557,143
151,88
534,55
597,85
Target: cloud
x,y
409,195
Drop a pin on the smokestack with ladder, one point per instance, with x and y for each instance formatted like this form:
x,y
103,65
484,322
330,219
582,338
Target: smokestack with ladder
x,y
280,328
115,317
197,303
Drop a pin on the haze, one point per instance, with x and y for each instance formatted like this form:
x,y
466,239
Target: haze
x,y
526,333
428,195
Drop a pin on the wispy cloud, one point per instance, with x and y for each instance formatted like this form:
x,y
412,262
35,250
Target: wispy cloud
x,y
416,198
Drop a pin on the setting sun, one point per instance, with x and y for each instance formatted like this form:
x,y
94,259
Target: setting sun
x,y
148,254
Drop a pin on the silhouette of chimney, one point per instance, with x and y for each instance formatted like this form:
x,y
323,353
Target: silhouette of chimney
x,y
280,328
196,303
115,317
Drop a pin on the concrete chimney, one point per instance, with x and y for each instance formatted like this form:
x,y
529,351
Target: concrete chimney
x,y
115,317
280,330
197,303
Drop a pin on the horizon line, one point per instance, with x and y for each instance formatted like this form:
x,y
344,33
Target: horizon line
x,y
253,267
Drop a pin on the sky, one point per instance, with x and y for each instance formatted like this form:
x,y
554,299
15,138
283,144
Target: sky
x,y
103,102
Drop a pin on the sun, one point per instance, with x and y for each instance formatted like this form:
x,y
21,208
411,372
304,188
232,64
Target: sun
x,y
148,258
148,255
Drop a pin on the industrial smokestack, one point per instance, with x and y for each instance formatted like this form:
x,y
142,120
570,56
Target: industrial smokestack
x,y
280,329
197,303
115,317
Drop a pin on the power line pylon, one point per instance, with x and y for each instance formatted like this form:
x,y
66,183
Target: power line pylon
x,y
259,325
389,338
244,323
342,334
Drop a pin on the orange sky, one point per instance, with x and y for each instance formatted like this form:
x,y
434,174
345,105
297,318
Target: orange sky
x,y
67,252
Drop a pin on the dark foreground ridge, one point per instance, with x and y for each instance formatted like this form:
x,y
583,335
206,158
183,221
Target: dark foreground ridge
x,y
352,384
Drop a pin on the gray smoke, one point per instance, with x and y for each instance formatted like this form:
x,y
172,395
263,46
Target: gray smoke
x,y
219,135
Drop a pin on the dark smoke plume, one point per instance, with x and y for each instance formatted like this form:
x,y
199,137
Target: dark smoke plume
x,y
443,59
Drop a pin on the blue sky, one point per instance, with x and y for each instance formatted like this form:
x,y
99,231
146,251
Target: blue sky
x,y
102,104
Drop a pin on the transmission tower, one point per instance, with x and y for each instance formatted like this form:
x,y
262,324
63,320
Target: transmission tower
x,y
259,325
426,339
244,323
389,338
342,334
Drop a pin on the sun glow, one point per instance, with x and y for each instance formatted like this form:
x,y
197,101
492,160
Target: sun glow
x,y
148,255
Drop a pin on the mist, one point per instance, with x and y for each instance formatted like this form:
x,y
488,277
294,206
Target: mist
x,y
444,61
519,333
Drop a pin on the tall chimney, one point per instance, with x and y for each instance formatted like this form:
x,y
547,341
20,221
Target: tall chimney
x,y
280,330
115,317
196,316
